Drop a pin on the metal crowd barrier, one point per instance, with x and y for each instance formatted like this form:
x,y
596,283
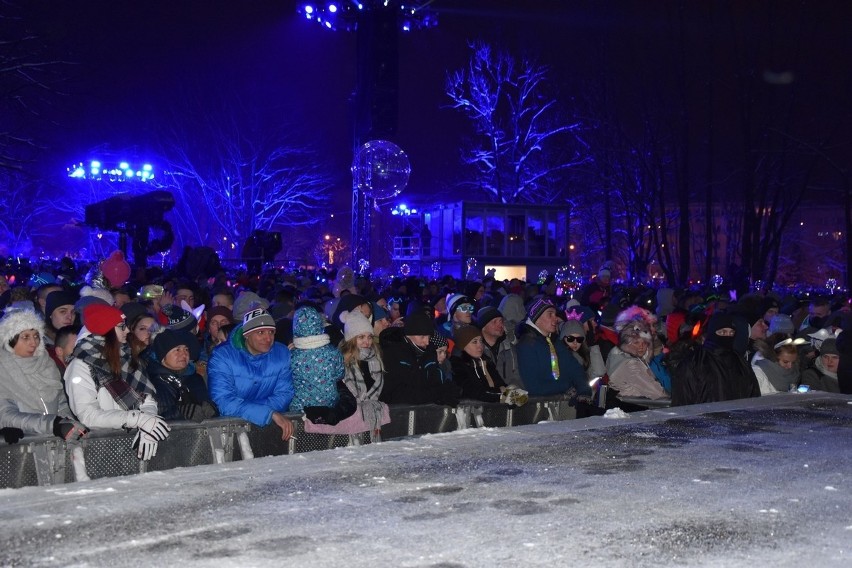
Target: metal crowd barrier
x,y
46,460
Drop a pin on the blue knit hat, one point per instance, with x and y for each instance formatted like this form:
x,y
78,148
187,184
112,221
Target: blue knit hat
x,y
379,313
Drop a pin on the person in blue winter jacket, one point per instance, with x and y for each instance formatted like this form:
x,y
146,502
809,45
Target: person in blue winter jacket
x,y
546,366
249,376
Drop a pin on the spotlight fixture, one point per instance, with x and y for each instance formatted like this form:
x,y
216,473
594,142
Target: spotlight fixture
x,y
343,15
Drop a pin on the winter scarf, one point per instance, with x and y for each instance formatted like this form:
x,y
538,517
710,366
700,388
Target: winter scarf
x,y
372,411
30,381
355,379
779,377
128,390
821,368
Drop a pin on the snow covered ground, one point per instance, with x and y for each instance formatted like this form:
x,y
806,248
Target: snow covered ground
x,y
762,482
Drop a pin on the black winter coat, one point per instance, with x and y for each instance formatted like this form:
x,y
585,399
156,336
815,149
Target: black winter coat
x,y
469,376
413,376
181,396
711,375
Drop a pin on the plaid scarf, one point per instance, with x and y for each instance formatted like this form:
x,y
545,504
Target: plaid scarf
x,y
129,389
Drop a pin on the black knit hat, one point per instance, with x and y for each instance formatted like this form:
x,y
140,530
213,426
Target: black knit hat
x,y
134,311
486,314
168,339
179,318
58,298
538,307
419,323
438,341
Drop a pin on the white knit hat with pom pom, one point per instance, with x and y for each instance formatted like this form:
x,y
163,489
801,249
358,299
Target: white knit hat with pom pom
x,y
354,324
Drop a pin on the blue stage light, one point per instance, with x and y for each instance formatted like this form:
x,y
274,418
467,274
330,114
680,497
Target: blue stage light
x,y
97,171
339,15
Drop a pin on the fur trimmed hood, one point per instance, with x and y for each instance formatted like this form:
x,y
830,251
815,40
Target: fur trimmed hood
x,y
16,321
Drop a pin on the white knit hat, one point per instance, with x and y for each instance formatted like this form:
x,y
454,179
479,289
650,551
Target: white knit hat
x,y
354,324
16,321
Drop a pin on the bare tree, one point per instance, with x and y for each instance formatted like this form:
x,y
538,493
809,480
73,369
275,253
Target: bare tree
x,y
21,199
232,175
519,151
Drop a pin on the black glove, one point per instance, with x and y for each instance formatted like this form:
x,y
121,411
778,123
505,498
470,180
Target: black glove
x,y
190,411
321,415
196,412
209,410
591,337
344,408
68,429
12,435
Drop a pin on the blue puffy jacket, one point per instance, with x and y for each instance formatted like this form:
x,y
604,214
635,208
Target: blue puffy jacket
x,y
249,386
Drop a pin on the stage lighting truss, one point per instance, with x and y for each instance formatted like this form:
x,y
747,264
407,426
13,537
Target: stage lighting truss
x,y
122,171
344,15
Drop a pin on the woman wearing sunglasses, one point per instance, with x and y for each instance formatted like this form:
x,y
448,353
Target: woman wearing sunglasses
x,y
573,334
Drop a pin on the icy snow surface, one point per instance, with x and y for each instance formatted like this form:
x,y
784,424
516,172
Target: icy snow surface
x,y
764,482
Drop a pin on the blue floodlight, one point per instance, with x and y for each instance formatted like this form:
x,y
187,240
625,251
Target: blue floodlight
x,y
339,14
96,170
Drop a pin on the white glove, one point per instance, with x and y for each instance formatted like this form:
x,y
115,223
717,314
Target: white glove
x,y
154,426
514,396
145,445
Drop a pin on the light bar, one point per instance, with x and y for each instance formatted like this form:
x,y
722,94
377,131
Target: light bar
x,y
123,171
344,14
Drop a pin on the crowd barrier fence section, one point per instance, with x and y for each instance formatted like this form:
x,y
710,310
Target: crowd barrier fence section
x,y
47,460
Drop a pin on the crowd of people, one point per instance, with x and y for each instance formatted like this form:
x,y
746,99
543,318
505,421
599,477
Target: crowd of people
x,y
109,353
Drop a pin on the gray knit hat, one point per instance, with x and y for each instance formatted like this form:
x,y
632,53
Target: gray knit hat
x,y
257,319
247,302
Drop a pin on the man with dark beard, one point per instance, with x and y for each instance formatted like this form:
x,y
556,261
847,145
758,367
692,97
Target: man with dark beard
x,y
713,371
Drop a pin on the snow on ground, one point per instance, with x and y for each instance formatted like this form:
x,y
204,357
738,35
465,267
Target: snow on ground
x,y
759,482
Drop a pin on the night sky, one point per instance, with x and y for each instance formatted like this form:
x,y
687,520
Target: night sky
x,y
132,65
